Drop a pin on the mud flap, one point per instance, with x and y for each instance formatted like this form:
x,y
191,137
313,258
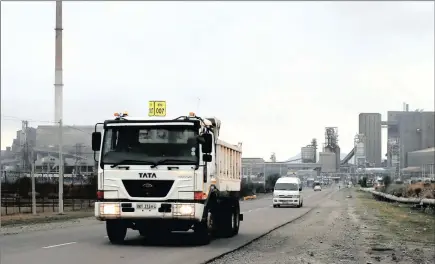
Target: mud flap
x,y
241,217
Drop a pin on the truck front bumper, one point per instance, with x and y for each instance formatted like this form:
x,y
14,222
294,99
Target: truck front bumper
x,y
148,210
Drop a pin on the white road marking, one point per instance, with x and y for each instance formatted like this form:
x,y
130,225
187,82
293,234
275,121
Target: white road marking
x,y
60,245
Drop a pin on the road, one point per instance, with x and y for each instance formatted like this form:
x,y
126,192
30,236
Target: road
x,y
89,244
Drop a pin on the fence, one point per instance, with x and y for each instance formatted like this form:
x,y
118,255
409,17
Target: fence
x,y
16,193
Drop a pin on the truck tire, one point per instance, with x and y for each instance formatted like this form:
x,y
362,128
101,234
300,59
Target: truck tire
x,y
203,230
229,219
116,231
236,219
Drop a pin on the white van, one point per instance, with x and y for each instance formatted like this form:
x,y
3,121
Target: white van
x,y
288,191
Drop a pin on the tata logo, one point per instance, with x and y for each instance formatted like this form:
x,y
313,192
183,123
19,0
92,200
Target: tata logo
x,y
147,185
148,175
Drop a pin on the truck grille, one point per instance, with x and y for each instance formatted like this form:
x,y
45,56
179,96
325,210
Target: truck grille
x,y
146,188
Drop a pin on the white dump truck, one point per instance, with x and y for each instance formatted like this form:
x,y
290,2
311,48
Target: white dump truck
x,y
162,175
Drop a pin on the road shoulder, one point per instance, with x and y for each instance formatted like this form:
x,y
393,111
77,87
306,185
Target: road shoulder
x,y
346,228
16,224
394,233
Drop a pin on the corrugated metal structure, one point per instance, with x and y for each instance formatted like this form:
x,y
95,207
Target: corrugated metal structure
x,y
259,167
328,162
414,131
308,154
47,135
425,159
370,125
252,166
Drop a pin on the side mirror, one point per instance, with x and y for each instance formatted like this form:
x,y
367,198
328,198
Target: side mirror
x,y
96,141
207,145
207,158
300,189
200,140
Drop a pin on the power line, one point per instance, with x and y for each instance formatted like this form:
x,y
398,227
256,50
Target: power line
x,y
27,119
6,117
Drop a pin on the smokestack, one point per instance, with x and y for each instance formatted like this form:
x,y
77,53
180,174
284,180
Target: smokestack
x,y
407,108
404,106
58,72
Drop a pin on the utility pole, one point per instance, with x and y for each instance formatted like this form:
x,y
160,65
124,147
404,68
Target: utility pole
x,y
78,159
24,145
198,104
32,173
60,167
58,94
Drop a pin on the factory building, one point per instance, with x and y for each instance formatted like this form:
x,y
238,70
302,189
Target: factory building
x,y
421,163
410,131
370,125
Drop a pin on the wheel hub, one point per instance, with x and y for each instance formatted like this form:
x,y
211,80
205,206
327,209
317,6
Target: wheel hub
x,y
209,221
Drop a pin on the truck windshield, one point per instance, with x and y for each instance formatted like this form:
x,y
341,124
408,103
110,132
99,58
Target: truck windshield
x,y
282,186
150,144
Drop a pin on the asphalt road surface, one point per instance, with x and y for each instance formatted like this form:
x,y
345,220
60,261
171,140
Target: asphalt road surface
x,y
89,244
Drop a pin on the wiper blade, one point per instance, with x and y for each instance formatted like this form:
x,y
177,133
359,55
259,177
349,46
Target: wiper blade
x,y
163,161
132,162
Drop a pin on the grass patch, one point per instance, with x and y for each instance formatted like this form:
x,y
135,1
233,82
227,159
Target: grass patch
x,y
396,222
26,219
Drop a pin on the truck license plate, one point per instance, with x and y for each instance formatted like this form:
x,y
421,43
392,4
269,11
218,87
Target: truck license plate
x,y
146,206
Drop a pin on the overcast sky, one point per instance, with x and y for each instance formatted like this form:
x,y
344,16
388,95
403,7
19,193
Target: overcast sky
x,y
275,73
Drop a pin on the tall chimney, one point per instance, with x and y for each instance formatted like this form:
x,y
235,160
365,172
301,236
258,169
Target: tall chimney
x,y
58,72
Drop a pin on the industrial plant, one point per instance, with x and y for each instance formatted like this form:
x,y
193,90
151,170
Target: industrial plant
x,y
410,150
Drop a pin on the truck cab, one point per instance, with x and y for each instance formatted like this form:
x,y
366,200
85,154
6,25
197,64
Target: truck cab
x,y
160,175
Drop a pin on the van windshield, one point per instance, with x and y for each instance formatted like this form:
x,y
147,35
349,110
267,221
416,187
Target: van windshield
x,y
283,186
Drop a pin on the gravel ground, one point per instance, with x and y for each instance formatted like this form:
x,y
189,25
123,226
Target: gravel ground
x,y
339,230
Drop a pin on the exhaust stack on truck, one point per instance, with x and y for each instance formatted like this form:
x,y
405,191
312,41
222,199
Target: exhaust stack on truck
x,y
162,175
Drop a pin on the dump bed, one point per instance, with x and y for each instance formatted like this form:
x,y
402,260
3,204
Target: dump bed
x,y
228,166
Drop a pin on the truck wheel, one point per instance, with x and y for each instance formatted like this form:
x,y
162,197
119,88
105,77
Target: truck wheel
x,y
236,219
116,231
204,229
229,219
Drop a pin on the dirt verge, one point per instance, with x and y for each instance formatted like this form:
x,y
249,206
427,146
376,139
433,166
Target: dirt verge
x,y
27,219
394,233
350,227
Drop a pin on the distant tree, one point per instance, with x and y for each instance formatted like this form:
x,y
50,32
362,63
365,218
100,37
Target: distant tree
x,y
363,182
387,181
271,180
23,186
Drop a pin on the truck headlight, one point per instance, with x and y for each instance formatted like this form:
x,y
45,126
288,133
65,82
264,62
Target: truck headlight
x,y
184,209
109,209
